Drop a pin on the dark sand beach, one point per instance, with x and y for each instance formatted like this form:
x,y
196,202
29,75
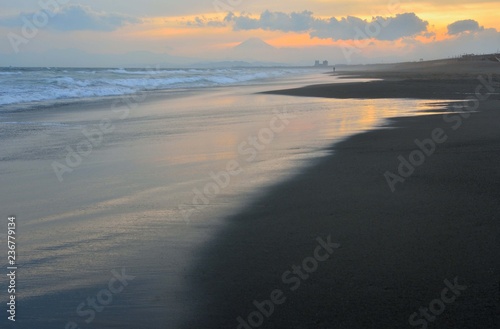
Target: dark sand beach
x,y
320,230
425,255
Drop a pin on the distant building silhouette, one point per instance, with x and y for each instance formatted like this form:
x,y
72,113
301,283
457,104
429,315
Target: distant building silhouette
x,y
318,64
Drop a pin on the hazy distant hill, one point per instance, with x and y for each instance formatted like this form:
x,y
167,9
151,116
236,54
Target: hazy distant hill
x,y
253,44
252,49
467,64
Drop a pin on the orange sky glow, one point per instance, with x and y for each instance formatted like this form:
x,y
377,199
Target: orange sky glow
x,y
198,32
439,17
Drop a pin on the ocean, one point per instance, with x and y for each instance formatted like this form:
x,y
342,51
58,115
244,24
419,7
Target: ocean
x,y
143,176
28,86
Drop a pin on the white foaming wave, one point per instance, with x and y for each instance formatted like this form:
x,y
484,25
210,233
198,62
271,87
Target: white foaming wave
x,y
151,72
71,82
33,123
222,80
74,85
11,73
59,94
148,83
226,79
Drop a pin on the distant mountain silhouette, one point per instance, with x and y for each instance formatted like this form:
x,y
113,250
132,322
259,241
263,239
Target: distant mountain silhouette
x,y
253,49
254,44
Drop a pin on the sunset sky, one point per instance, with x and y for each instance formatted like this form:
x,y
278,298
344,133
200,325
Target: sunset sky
x,y
193,30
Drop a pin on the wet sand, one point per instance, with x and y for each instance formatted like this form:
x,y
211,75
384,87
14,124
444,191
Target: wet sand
x,y
119,208
425,254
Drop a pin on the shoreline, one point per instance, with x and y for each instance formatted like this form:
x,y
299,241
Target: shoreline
x,y
120,206
424,88
398,251
229,266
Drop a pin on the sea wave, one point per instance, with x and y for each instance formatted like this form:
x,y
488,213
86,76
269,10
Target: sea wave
x,y
10,73
41,85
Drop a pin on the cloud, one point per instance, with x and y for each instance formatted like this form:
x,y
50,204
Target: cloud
x,y
74,18
467,25
277,21
346,28
481,42
274,21
202,22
